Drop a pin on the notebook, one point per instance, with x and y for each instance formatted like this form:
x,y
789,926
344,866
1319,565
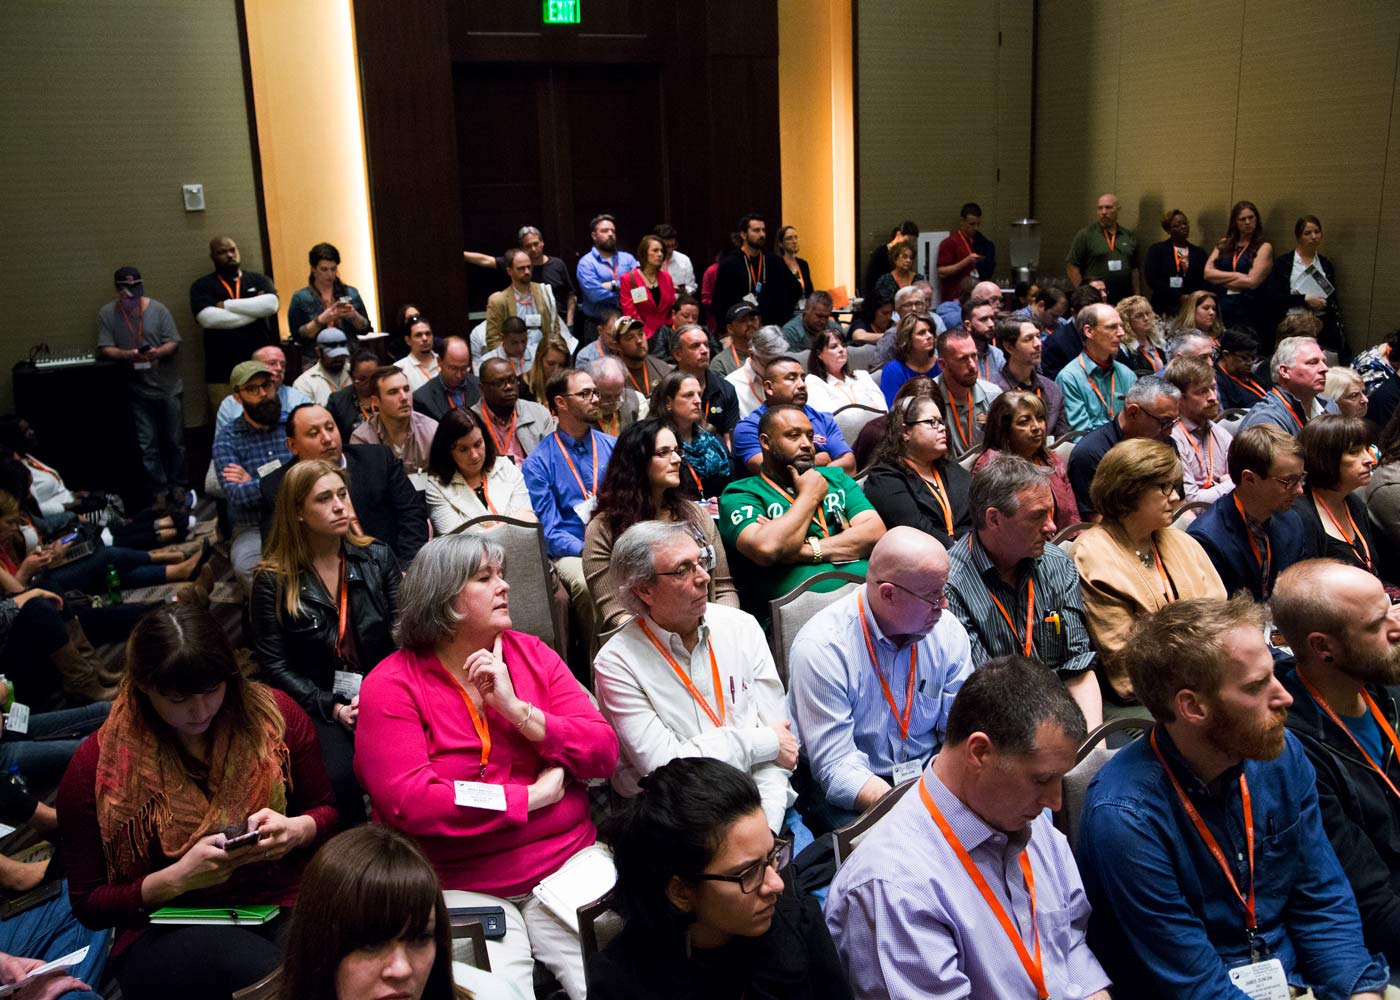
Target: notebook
x,y
244,915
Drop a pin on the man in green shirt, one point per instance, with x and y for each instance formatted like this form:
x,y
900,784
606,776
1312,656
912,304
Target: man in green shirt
x,y
1106,251
794,519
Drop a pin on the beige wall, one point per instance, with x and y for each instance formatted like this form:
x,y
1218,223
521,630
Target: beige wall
x,y
943,112
1290,104
105,111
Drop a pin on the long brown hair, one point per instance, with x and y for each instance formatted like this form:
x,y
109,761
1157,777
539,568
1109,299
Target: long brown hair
x,y
1232,231
1003,413
535,378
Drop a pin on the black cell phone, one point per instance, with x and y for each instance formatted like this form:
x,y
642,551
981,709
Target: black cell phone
x,y
241,841
492,919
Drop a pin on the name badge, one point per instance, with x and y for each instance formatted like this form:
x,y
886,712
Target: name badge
x,y
906,772
347,683
267,468
1261,980
479,795
532,321
140,366
751,299
1232,291
17,718
1175,281
584,510
419,480
639,294
1115,265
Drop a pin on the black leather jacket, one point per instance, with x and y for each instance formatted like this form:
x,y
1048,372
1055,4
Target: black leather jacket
x,y
299,655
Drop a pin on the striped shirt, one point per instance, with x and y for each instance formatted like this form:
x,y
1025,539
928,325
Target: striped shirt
x,y
1059,634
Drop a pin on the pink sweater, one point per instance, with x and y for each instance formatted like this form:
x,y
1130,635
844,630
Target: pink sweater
x,y
414,738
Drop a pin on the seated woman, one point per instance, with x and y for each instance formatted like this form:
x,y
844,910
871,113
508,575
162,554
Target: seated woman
x,y
914,481
1133,561
699,882
914,355
371,922
1345,388
1337,461
1199,311
551,357
1142,336
192,753
467,478
830,382
322,607
1016,424
873,320
643,483
678,402
476,741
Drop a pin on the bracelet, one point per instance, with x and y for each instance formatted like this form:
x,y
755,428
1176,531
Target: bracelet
x,y
520,726
816,549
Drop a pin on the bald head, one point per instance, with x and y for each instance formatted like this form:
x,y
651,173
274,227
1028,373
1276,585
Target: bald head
x,y
1107,209
1338,615
905,583
905,553
986,291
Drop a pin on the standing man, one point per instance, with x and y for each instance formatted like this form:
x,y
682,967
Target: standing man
x,y
237,310
1106,251
957,254
394,422
719,402
964,396
1095,383
455,385
1019,340
677,264
526,298
516,425
755,276
598,273
740,324
547,270
1299,370
140,332
1204,446
331,372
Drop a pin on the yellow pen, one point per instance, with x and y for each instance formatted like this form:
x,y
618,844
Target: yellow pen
x,y
1053,618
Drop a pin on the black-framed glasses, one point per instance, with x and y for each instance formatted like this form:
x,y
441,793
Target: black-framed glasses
x,y
751,878
934,422
706,561
584,394
1162,422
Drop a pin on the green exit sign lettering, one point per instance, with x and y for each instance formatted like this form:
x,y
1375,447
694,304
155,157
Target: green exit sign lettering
x,y
562,12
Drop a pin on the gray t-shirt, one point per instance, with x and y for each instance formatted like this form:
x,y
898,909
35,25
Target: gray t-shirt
x,y
158,377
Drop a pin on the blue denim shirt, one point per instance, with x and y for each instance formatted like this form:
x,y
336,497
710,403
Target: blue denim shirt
x,y
554,486
1166,923
593,272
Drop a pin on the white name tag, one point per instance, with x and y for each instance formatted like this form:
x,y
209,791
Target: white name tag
x,y
906,772
1175,281
532,321
584,510
751,299
1115,265
480,795
639,294
17,718
1262,980
347,683
267,468
419,480
140,366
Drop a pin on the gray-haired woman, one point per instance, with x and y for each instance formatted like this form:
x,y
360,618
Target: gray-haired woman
x,y
475,740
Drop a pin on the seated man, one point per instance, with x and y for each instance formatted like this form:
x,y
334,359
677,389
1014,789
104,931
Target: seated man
x,y
516,425
1019,339
872,676
1252,534
812,320
394,422
1234,371
331,370
352,405
245,450
1299,372
421,363
785,384
290,398
1217,778
691,354
1346,640
1095,383
453,386
1149,410
740,325
963,395
1204,446
619,407
386,505
687,678
794,519
605,343
643,368
1015,594
966,879
515,348
685,311
766,346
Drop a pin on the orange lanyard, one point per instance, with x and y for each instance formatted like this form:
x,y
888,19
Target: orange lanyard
x,y
485,493
427,369
901,284
840,383
734,353
30,459
940,494
483,731
1152,356
502,440
577,478
236,292
821,515
616,420
1035,969
1112,241
646,377
344,608
1213,845
372,408
1381,721
717,719
1030,610
699,487
1209,461
140,330
984,366
901,717
964,437
755,280
1250,385
1235,260
753,388
1183,259
1265,561
1112,386
965,241
1365,551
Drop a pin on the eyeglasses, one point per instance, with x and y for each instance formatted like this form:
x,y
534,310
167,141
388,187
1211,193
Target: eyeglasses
x,y
751,878
1166,489
1291,483
936,601
691,566
665,452
934,422
1162,422
584,394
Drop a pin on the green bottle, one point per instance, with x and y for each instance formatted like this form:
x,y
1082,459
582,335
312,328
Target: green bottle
x,y
114,585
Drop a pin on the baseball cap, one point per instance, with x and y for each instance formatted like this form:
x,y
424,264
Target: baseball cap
x,y
128,278
333,342
739,310
245,370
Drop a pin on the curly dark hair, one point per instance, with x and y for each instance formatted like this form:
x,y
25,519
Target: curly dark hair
x,y
624,497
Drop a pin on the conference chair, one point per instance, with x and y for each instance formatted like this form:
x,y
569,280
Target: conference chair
x,y
848,837
969,458
1230,420
528,573
595,930
1064,444
1087,761
852,419
1066,536
795,608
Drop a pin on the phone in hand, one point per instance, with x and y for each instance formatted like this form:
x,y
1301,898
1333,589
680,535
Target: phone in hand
x,y
344,299
238,836
67,538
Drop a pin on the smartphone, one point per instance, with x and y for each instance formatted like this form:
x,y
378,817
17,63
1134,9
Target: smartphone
x,y
345,299
67,538
241,841
492,919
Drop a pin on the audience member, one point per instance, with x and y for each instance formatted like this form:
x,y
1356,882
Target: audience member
x,y
516,426
326,302
914,355
685,311
396,424
290,398
421,363
814,318
237,310
599,272
191,755
784,384
699,880
741,323
1142,336
648,292
979,318
965,396
530,301
902,272
606,341
799,272
330,373
1216,773
719,402
618,406
46,658
1382,500
1337,461
1175,267
352,405
1235,382
1016,426
914,482
1303,278
1377,364
1345,388
153,384
1067,342
1019,340
909,301
1203,444
1345,639
514,348
1047,307
949,312
1200,311
1252,534
1238,267
642,367
1005,566
551,357
872,321
676,402
903,912
323,603
678,265
957,256
529,736
879,261
661,714
1150,408
454,385
1298,323
1091,383
464,466
550,271
755,276
1106,251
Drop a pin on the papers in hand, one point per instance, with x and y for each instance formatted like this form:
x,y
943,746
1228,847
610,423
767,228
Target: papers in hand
x,y
1312,282
66,962
585,877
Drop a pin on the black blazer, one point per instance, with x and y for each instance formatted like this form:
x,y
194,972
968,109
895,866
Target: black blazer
x,y
1323,546
900,497
1223,534
1159,267
1333,335
387,505
432,401
345,411
299,655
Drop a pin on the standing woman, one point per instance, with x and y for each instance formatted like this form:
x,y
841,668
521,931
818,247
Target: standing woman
x,y
1239,266
551,357
1175,267
797,267
830,382
901,273
191,751
322,607
1016,426
647,292
706,465
1304,279
913,355
468,477
325,302
1142,336
1337,461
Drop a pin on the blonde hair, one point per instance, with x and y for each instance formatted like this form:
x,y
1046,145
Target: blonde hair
x,y
535,378
1136,305
1339,380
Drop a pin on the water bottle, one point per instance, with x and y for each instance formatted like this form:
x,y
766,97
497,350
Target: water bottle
x,y
9,693
114,585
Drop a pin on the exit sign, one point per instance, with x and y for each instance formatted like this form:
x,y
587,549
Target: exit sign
x,y
562,11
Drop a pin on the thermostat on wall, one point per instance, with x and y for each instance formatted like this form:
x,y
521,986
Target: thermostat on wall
x,y
194,197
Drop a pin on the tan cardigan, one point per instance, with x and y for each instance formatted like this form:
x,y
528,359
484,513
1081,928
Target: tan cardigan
x,y
501,306
1118,590
597,552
